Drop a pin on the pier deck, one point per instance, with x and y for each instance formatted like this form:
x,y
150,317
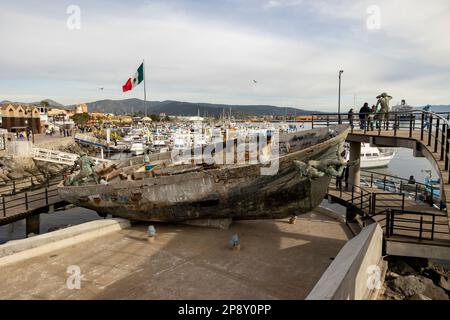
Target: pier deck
x,y
25,204
407,224
277,260
416,136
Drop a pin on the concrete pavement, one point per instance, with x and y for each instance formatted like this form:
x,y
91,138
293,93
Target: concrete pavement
x,y
277,260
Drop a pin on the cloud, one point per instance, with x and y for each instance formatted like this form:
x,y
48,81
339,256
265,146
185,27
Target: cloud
x,y
281,3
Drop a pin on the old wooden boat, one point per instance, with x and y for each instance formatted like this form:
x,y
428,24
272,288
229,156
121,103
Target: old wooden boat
x,y
172,192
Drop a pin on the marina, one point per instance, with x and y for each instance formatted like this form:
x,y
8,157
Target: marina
x,y
411,222
237,159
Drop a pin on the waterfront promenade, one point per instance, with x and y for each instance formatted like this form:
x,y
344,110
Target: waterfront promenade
x,y
277,260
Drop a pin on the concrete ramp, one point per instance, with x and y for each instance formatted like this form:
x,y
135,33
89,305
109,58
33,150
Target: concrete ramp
x,y
18,250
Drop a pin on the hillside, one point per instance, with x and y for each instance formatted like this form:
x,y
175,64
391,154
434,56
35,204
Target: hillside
x,y
51,103
170,107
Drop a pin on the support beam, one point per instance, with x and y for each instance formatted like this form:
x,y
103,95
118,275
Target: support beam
x,y
33,224
354,178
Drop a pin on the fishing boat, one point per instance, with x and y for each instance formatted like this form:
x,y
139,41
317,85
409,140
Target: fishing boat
x,y
163,190
137,148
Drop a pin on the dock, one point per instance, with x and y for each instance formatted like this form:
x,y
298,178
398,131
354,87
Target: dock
x,y
418,231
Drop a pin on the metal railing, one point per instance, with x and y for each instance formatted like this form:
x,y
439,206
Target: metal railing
x,y
367,202
29,183
422,228
414,190
432,128
388,210
24,202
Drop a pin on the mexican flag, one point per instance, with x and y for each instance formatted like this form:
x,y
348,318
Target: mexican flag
x,y
135,79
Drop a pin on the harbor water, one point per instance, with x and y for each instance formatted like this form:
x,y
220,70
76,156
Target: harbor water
x,y
403,165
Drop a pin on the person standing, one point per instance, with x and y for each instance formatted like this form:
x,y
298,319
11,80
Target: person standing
x,y
426,124
364,116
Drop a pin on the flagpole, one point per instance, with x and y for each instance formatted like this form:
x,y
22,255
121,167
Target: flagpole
x,y
145,91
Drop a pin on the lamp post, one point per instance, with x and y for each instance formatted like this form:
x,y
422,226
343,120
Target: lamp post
x,y
339,99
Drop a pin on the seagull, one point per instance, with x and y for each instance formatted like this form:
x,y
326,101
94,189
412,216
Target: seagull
x,y
254,81
101,88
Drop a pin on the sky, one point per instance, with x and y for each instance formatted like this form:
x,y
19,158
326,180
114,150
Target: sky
x,y
211,51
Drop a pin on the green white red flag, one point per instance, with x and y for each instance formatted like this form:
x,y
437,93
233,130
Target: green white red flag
x,y
135,79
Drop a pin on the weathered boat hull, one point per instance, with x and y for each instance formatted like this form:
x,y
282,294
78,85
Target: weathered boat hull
x,y
237,192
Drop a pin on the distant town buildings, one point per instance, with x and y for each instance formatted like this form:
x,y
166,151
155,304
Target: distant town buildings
x,y
17,118
81,108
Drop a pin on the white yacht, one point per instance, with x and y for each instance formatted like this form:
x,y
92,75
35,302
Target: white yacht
x,y
373,157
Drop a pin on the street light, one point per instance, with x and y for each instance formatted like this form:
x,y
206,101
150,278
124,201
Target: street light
x,y
339,99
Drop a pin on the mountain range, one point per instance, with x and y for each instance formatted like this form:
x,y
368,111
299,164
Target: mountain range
x,y
51,103
179,108
174,108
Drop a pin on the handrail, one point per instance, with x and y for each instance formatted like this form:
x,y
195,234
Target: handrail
x,y
392,221
25,200
433,128
30,182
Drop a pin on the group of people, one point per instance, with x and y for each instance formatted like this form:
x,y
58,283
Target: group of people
x,y
372,117
24,135
50,132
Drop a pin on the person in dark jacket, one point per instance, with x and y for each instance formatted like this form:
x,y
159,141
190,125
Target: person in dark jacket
x,y
364,116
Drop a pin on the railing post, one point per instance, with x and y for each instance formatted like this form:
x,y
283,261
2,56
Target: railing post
x,y
395,123
410,125
436,136
432,227
401,186
14,186
417,192
312,122
371,180
26,201
374,203
422,122
361,200
430,131
4,206
447,145
442,142
388,222
353,193
421,226
403,202
431,196
328,120
46,196
384,183
392,223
